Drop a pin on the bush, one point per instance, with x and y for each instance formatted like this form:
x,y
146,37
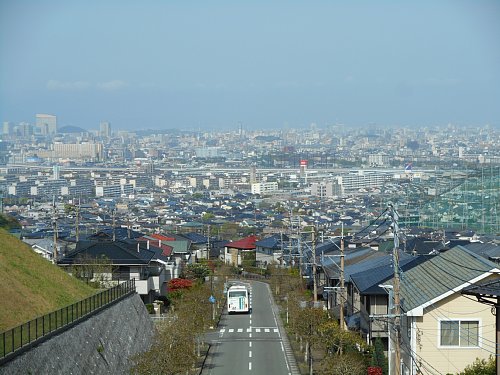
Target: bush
x,y
150,308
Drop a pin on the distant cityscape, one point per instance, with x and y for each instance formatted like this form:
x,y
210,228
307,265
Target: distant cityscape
x,y
442,177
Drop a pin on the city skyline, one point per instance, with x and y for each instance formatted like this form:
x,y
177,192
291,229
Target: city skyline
x,y
214,66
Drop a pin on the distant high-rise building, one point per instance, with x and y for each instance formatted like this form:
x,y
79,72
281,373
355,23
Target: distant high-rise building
x,y
47,124
56,172
25,129
8,127
105,129
253,174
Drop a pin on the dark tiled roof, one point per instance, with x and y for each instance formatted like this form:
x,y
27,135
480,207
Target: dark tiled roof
x,y
195,238
488,289
120,233
118,252
486,250
423,246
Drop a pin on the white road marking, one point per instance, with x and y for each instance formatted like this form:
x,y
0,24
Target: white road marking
x,y
240,330
250,344
250,335
276,330
249,354
249,330
231,330
249,365
257,330
222,330
266,330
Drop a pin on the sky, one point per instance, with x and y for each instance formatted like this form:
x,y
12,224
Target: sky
x,y
260,64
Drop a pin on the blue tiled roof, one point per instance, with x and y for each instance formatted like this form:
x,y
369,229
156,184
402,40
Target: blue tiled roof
x,y
271,242
367,281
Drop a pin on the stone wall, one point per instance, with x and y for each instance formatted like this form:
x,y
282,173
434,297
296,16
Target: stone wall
x,y
101,344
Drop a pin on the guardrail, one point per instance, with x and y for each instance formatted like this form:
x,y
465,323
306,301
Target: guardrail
x,y
26,334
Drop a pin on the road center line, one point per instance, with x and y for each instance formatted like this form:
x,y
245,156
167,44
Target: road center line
x,y
249,365
250,344
249,354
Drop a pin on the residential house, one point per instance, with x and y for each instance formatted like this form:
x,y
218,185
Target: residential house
x,y
233,251
42,246
270,249
121,260
442,330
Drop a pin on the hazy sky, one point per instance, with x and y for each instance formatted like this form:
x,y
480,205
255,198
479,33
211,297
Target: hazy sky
x,y
266,64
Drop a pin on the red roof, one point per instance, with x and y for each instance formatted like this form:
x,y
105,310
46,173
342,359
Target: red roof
x,y
247,243
166,249
162,237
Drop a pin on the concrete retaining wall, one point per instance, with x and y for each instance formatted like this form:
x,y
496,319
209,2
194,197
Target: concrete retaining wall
x,y
101,344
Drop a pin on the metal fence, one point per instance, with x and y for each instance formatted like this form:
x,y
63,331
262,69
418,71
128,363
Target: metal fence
x,y
27,333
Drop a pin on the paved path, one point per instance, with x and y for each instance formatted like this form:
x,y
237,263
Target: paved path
x,y
251,343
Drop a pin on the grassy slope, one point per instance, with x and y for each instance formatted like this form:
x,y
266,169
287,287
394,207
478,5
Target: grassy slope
x,y
31,286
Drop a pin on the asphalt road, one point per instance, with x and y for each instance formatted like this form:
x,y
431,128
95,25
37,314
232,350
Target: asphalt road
x,y
251,343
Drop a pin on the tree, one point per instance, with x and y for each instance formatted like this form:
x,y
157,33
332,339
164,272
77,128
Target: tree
x,y
176,346
481,367
95,271
378,358
207,216
9,222
172,351
345,364
196,271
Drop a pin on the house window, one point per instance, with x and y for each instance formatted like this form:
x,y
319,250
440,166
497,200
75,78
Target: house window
x,y
461,333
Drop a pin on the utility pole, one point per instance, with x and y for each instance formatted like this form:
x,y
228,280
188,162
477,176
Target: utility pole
x,y
54,228
208,243
315,286
281,244
300,253
342,281
114,225
77,223
397,299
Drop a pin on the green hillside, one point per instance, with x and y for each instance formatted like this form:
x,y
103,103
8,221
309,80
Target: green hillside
x,y
32,286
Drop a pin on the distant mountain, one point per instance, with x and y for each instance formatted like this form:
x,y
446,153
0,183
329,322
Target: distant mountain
x,y
71,129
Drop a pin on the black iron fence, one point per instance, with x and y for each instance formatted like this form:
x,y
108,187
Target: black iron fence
x,y
35,330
